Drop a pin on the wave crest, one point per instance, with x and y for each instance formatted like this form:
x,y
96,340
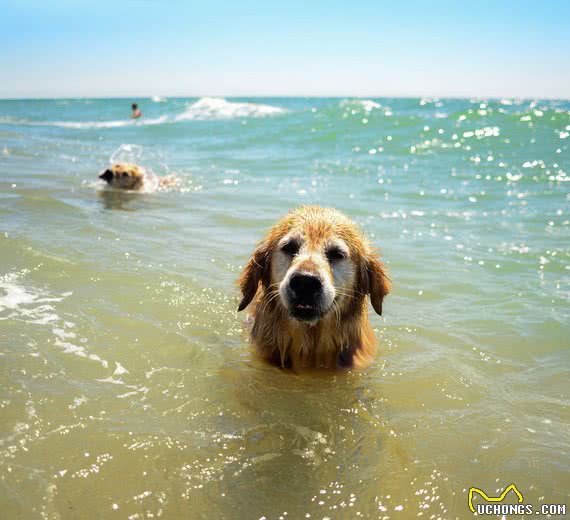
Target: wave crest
x,y
85,124
219,108
366,104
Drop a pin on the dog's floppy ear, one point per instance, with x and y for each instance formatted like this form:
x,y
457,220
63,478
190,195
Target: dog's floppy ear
x,y
375,281
256,270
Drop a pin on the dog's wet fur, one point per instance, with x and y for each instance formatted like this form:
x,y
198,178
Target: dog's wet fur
x,y
128,176
307,283
124,176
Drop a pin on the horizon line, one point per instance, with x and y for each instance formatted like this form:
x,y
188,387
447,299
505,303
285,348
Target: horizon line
x,y
295,96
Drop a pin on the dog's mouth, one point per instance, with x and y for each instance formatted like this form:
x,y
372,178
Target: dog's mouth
x,y
304,312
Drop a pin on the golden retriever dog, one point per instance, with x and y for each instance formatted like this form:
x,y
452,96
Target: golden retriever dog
x,y
124,176
127,176
307,282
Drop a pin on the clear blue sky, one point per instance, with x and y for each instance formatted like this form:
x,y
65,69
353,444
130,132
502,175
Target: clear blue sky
x,y
297,48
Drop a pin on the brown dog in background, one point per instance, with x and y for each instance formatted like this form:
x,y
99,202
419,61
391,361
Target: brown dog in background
x,y
310,277
128,176
124,176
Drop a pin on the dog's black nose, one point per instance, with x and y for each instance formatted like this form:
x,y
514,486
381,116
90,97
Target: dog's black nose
x,y
305,285
107,175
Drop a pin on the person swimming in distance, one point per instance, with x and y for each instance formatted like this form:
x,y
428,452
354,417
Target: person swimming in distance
x,y
136,111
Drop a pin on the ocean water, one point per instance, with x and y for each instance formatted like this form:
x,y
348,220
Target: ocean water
x,y
127,387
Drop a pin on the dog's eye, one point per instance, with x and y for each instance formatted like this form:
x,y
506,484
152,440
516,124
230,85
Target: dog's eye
x,y
290,248
334,254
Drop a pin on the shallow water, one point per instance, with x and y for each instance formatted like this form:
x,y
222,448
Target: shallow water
x,y
127,388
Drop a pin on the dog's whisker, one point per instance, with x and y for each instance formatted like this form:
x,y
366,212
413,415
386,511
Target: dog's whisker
x,y
271,298
336,308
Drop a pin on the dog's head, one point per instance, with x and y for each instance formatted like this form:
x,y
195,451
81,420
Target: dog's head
x,y
313,262
124,176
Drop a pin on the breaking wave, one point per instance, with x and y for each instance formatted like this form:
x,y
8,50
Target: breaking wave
x,y
366,104
220,108
85,124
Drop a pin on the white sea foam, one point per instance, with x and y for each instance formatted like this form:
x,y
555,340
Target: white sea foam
x,y
66,124
13,296
152,121
367,104
37,307
219,108
81,125
105,124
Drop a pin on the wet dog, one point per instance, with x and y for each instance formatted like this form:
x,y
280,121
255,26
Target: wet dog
x,y
307,282
127,176
124,176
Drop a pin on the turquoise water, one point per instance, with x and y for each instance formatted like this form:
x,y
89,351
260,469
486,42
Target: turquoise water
x,y
127,388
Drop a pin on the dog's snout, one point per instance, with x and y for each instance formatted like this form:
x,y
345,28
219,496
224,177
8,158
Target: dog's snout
x,y
305,285
107,175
